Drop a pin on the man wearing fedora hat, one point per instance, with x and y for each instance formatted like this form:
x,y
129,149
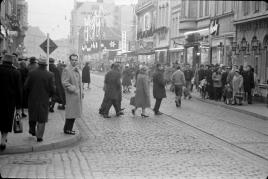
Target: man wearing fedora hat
x,y
40,86
10,95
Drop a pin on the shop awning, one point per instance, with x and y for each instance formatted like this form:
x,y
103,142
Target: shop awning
x,y
202,32
176,49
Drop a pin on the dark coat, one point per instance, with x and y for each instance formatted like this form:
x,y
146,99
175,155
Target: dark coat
x,y
86,74
40,86
188,75
58,96
24,74
127,76
10,95
159,90
248,81
113,88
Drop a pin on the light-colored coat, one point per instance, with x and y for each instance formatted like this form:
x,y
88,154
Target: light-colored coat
x,y
237,84
72,83
142,97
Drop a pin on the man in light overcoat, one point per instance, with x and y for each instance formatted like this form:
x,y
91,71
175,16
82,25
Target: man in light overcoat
x,y
72,83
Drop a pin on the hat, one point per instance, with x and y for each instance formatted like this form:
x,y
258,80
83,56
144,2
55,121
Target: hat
x,y
51,60
127,65
8,58
32,60
42,61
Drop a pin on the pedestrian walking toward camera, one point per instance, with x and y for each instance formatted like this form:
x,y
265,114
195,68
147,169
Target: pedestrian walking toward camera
x,y
10,95
86,75
40,86
188,73
142,96
159,90
113,91
178,81
72,84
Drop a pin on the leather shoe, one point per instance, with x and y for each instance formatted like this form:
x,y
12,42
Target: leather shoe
x,y
106,116
158,113
120,113
39,140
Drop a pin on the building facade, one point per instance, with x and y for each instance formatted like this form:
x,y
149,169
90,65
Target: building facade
x,y
222,31
162,32
13,25
176,49
146,25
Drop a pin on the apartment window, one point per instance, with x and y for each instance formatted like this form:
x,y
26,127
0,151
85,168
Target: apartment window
x,y
201,2
257,6
216,7
224,6
206,8
246,7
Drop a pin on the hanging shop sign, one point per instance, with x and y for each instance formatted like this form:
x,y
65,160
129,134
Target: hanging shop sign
x,y
96,46
214,27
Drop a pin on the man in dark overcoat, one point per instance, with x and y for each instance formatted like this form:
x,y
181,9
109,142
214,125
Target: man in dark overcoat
x,y
159,90
248,81
40,86
113,91
10,95
58,97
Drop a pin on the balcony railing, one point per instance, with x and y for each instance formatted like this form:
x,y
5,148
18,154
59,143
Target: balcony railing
x,y
142,5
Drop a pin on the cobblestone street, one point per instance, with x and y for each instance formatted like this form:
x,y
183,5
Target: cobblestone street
x,y
197,141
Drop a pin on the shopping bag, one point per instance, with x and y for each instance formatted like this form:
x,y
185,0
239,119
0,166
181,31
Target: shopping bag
x,y
17,124
239,95
132,101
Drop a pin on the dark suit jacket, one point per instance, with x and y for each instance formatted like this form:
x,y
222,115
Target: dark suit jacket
x,y
113,85
10,95
40,86
159,90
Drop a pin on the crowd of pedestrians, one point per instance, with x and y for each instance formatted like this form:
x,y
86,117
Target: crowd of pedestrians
x,y
29,85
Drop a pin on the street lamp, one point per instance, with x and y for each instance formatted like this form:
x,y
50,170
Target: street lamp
x,y
244,44
254,43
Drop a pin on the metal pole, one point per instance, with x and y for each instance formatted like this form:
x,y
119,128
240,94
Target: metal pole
x,y
48,51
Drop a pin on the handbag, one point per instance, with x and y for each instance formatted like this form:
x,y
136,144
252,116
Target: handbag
x,y
17,124
132,101
239,95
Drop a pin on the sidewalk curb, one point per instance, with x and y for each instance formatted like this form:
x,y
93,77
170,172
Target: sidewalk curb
x,y
234,109
44,147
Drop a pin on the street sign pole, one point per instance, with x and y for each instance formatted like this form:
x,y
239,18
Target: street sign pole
x,y
48,51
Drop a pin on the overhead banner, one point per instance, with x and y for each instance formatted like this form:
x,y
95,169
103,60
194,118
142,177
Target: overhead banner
x,y
96,46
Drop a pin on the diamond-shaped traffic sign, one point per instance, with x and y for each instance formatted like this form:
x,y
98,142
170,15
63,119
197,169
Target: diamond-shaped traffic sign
x,y
52,46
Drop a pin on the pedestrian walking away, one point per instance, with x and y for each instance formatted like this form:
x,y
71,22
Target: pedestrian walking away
x,y
86,75
142,96
72,83
40,86
10,95
188,73
178,81
159,90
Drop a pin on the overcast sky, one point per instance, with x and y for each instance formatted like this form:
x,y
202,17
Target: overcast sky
x,y
53,16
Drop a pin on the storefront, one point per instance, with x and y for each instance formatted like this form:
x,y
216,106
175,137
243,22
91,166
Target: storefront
x,y
161,56
222,33
250,47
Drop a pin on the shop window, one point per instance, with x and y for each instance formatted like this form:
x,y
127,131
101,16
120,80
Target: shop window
x,y
201,2
206,8
246,7
216,7
224,6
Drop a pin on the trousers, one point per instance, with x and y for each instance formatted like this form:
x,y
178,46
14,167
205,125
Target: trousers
x,y
38,128
157,104
69,123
